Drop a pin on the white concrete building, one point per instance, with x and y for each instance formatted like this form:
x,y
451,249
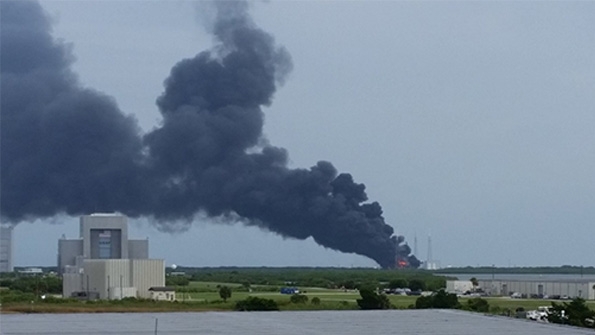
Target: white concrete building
x,y
163,293
105,264
118,278
101,236
458,286
530,288
6,248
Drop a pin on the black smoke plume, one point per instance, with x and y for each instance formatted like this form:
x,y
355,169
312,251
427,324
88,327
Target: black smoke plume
x,y
69,149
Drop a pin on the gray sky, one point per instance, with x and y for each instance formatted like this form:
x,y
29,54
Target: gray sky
x,y
469,121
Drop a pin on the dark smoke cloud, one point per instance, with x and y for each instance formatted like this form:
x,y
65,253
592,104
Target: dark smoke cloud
x,y
64,148
67,149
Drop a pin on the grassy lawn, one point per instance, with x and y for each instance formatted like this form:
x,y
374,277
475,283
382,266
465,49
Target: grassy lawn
x,y
334,298
204,296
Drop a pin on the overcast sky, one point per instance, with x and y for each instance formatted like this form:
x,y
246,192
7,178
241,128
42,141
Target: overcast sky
x,y
470,121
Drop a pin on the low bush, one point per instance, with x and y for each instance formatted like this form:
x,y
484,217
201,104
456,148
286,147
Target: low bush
x,y
478,305
256,304
298,299
440,299
372,300
7,296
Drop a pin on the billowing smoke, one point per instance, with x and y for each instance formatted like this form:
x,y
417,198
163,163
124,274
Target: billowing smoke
x,y
69,149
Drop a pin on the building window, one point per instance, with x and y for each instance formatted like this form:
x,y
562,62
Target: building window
x,y
105,244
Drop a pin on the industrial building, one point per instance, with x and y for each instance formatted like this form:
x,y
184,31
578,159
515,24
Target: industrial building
x,y
547,288
105,264
102,236
6,249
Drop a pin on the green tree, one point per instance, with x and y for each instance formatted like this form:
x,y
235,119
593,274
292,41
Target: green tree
x,y
575,313
315,301
440,299
417,285
478,305
298,299
348,284
224,293
256,304
435,283
36,284
372,300
398,283
246,285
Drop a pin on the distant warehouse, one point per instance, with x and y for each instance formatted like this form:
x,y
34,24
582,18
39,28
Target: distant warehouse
x,y
547,288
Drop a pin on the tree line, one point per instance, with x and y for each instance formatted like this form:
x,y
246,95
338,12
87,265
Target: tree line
x,y
347,278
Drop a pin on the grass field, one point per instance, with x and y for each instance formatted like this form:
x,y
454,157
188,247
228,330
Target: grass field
x,y
206,298
347,299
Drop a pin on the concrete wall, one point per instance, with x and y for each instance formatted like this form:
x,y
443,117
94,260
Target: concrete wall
x,y
146,274
68,251
117,293
576,288
71,282
458,286
116,278
105,275
138,249
6,249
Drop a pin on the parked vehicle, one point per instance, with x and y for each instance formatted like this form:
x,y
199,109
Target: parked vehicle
x,y
290,290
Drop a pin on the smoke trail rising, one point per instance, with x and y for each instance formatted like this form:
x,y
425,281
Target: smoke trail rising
x,y
70,149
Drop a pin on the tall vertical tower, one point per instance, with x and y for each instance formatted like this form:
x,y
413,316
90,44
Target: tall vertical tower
x,y
429,261
6,248
415,245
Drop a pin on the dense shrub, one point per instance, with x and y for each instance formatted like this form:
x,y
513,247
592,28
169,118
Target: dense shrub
x,y
35,284
315,301
435,283
7,296
312,277
54,300
398,283
256,304
440,299
417,284
372,300
575,313
478,305
298,299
